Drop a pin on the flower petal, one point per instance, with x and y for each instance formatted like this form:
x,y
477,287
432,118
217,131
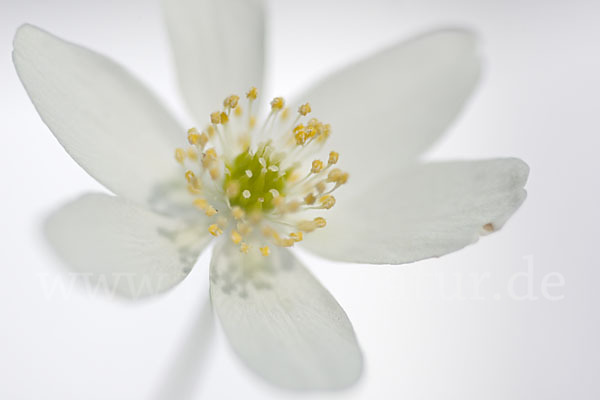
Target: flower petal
x,y
387,109
218,47
133,251
106,120
281,321
427,211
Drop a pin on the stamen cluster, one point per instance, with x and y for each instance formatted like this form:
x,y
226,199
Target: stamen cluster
x,y
249,180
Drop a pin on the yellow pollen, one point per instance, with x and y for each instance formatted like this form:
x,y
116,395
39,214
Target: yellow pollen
x,y
317,166
215,230
215,173
215,117
321,187
310,199
327,201
321,223
236,237
232,189
210,130
237,212
192,154
224,118
180,155
231,101
244,247
210,211
191,178
297,236
193,136
333,158
265,251
194,190
201,204
277,103
304,109
252,94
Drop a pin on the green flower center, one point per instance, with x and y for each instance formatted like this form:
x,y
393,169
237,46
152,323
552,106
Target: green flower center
x,y
254,180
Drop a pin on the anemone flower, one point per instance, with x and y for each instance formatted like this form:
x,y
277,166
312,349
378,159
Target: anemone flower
x,y
260,182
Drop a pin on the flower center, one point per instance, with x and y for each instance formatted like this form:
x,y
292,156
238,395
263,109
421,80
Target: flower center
x,y
261,184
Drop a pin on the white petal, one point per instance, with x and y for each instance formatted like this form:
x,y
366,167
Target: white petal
x,y
281,321
427,211
106,120
133,251
387,109
218,47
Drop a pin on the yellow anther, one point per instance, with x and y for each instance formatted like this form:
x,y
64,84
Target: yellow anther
x,y
231,101
321,187
320,222
190,177
215,230
285,242
343,179
304,109
236,237
334,175
224,118
210,130
210,211
297,236
310,199
215,172
209,157
237,212
300,137
317,166
285,113
180,155
203,140
238,111
265,251
277,103
193,136
325,132
333,158
232,189
252,94
244,247
194,189
192,153
201,204
215,117
327,201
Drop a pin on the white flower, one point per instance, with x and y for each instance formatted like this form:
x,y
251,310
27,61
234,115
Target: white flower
x,y
384,112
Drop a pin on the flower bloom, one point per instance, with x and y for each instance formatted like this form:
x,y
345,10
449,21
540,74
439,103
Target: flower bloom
x,y
336,171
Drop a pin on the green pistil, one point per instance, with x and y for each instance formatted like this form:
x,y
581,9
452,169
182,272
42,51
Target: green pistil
x,y
260,184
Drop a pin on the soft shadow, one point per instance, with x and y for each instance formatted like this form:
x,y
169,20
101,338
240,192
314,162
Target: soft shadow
x,y
184,376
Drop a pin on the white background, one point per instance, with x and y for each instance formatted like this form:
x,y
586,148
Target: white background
x,y
539,100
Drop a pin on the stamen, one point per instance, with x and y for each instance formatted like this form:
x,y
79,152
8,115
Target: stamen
x,y
215,230
260,185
